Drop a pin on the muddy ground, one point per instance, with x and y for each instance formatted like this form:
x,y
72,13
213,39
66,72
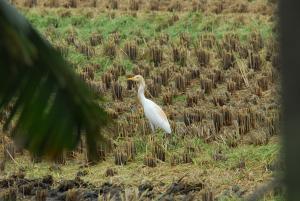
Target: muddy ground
x,y
19,187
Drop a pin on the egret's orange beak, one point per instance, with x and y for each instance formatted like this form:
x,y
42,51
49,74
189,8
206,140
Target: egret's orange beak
x,y
131,78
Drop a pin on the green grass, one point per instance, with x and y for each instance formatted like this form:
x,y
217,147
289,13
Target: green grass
x,y
180,98
146,24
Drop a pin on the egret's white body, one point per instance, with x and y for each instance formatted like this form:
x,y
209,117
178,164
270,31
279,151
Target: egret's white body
x,y
153,112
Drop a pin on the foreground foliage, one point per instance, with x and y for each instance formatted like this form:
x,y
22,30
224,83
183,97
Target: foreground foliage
x,y
50,104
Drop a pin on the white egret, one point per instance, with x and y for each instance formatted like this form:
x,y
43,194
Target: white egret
x,y
153,112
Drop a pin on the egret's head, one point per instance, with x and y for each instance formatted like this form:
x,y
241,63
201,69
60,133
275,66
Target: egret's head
x,y
137,78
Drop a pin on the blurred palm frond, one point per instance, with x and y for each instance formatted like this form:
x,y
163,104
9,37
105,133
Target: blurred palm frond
x,y
49,101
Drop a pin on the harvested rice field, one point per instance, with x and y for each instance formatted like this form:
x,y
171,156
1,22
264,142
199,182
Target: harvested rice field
x,y
212,66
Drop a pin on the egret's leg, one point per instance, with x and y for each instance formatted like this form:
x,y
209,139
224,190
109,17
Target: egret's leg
x,y
167,137
152,128
151,137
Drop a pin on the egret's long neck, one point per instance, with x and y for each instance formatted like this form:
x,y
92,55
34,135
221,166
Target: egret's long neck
x,y
141,92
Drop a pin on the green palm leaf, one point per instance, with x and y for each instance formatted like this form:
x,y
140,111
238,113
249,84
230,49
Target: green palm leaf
x,y
49,101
